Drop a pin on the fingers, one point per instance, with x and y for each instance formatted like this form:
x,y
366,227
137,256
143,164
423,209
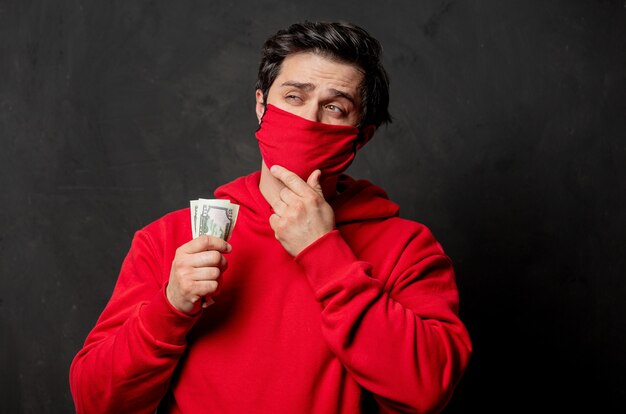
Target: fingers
x,y
211,258
285,198
301,213
314,178
205,287
290,179
296,190
274,222
205,274
205,242
314,182
197,290
288,197
196,270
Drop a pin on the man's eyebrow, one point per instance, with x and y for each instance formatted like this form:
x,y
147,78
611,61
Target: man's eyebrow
x,y
342,94
307,87
300,85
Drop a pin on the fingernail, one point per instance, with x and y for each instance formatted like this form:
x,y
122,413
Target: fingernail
x,y
228,247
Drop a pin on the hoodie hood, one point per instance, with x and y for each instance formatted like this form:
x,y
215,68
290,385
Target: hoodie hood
x,y
358,200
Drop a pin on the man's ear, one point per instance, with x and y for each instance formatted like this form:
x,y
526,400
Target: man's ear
x,y
365,134
260,105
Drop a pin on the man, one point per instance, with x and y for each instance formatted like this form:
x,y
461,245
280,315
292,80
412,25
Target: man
x,y
328,301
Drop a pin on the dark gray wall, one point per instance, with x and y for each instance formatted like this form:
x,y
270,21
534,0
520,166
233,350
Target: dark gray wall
x,y
509,142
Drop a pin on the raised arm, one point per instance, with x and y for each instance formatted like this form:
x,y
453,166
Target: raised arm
x,y
130,355
400,337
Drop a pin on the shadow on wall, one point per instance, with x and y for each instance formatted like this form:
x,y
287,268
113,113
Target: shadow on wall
x,y
523,268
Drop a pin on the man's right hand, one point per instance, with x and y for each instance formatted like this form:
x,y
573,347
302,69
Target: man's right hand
x,y
196,270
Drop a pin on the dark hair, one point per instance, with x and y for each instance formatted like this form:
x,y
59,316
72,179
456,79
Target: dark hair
x,y
342,41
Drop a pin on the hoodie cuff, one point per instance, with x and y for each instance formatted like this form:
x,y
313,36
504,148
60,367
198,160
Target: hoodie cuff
x,y
164,322
326,260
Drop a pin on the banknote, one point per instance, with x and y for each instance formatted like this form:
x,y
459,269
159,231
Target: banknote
x,y
214,217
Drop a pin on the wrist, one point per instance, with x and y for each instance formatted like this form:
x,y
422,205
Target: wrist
x,y
175,301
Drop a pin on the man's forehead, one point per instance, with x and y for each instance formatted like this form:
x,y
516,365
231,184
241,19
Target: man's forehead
x,y
315,68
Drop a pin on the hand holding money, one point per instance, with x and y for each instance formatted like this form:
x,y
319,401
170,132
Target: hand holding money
x,y
195,273
198,264
213,217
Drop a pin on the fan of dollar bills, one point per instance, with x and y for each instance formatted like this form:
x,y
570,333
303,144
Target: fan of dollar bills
x,y
213,217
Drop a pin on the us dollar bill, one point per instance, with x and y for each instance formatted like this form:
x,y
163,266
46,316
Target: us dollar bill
x,y
214,217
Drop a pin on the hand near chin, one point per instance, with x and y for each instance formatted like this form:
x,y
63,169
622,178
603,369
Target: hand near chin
x,y
301,214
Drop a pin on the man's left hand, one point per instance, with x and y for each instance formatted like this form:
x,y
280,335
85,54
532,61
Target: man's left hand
x,y
301,214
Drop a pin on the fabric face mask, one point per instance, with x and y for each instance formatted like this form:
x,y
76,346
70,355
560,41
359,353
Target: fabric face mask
x,y
303,146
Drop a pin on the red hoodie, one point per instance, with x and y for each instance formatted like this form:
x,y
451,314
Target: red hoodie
x,y
365,317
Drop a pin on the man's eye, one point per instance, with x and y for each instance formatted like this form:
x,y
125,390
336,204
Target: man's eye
x,y
334,108
293,98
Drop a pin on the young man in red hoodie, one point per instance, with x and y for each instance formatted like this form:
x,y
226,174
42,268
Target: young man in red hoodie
x,y
328,301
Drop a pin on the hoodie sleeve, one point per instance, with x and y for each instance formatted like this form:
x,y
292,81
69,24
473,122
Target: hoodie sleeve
x,y
128,358
399,335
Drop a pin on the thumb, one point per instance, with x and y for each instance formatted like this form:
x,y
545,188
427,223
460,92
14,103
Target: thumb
x,y
314,182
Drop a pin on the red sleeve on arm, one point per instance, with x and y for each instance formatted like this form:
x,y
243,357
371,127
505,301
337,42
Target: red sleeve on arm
x,y
401,339
130,355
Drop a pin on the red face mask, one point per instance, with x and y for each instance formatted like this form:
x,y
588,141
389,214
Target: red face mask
x,y
303,146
